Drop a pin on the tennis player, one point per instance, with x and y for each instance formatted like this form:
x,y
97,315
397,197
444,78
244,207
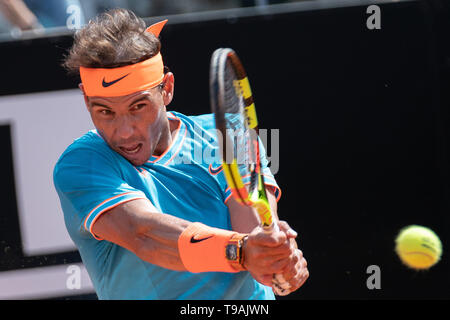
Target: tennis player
x,y
150,218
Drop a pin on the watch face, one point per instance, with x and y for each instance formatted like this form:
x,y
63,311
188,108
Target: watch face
x,y
231,252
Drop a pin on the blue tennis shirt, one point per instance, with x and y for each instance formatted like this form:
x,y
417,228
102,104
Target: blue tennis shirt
x,y
185,181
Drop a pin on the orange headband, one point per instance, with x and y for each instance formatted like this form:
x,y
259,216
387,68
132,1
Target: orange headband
x,y
114,82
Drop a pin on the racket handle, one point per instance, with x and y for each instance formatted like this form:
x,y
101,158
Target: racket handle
x,y
279,285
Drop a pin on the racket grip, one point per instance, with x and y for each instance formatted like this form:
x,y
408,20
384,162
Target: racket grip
x,y
279,285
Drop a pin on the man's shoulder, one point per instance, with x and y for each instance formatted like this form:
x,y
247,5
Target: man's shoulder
x,y
88,144
88,154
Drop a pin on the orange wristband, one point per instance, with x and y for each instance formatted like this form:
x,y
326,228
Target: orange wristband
x,y
202,248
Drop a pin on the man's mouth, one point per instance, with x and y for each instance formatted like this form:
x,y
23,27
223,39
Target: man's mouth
x,y
132,149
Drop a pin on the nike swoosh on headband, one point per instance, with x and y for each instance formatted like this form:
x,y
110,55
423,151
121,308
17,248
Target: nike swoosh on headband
x,y
106,84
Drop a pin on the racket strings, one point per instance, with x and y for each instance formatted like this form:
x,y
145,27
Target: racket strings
x,y
237,132
239,142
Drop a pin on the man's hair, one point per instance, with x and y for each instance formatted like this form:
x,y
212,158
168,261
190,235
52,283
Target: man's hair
x,y
113,39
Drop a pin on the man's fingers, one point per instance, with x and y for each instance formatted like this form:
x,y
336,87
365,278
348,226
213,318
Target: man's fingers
x,y
272,265
284,226
301,276
272,253
296,269
273,239
293,266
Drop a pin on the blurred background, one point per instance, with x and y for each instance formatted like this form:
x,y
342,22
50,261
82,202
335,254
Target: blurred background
x,y
362,114
20,15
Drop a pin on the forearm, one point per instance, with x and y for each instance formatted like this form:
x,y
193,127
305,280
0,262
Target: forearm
x,y
273,203
165,240
138,227
157,241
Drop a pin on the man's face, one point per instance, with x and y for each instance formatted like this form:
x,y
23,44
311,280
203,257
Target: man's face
x,y
132,125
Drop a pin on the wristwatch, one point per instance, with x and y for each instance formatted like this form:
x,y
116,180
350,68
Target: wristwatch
x,y
234,251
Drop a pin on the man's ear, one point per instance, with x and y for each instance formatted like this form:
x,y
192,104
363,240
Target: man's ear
x,y
167,90
86,100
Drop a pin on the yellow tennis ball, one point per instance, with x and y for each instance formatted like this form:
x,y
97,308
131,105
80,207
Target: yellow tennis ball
x,y
418,247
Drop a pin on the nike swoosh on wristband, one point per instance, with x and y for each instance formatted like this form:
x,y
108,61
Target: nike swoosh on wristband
x,y
193,240
106,84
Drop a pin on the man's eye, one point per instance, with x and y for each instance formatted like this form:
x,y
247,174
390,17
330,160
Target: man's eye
x,y
105,112
137,107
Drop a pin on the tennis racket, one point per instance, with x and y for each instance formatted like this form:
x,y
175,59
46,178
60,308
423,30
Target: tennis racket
x,y
237,127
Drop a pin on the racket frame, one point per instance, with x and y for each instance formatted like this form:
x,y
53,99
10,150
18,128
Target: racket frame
x,y
256,196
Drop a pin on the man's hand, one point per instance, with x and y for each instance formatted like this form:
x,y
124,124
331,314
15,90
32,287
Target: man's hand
x,y
266,254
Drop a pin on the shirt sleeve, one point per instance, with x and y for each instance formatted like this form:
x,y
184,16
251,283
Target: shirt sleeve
x,y
89,184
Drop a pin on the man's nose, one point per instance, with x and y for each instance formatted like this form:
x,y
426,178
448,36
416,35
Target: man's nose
x,y
125,127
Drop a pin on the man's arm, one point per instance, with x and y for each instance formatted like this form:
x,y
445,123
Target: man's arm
x,y
138,226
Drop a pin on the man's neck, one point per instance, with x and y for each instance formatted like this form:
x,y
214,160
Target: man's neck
x,y
167,137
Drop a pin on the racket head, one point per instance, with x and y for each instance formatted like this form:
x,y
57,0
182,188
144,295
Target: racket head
x,y
228,112
235,116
